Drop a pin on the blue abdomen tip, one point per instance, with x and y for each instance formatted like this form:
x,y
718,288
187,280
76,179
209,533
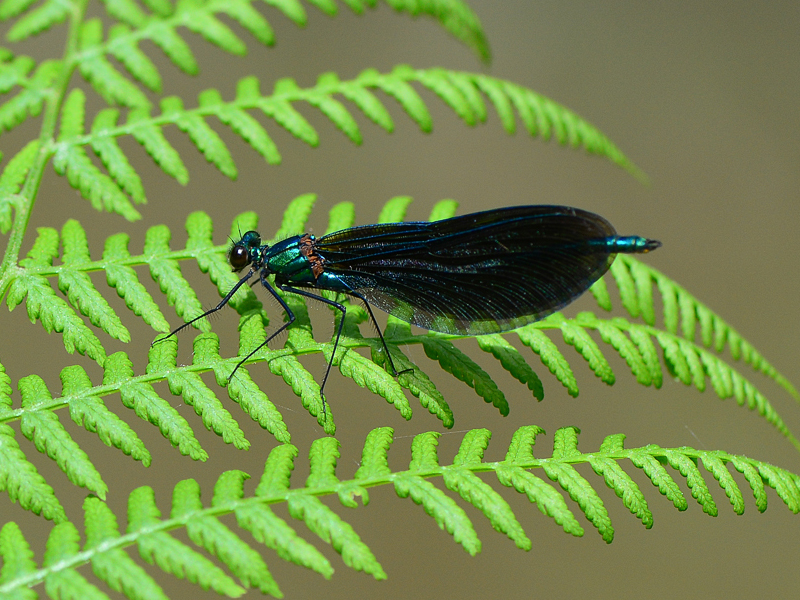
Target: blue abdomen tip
x,y
631,244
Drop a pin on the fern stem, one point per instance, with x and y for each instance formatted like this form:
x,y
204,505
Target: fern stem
x,y
47,133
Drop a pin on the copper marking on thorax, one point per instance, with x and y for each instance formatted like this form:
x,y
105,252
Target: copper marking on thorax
x,y
308,250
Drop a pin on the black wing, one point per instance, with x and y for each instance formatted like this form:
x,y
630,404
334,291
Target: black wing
x,y
474,274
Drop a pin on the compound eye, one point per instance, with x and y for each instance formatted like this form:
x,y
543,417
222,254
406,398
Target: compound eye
x,y
238,258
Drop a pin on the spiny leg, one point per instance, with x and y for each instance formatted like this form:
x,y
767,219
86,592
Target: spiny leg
x,y
219,306
280,329
395,372
335,305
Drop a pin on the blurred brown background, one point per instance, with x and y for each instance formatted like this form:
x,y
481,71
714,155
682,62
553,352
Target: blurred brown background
x,y
703,97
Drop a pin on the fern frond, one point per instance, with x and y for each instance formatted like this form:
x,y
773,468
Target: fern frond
x,y
174,48
153,141
463,92
79,289
109,83
411,376
635,343
167,272
39,422
541,116
212,29
372,376
123,47
11,181
330,528
12,8
460,478
683,313
124,279
241,388
250,19
18,476
113,158
42,302
550,355
448,515
14,70
455,16
23,482
5,389
205,138
586,346
512,361
17,556
171,555
305,387
31,284
150,532
464,368
687,361
625,488
89,411
323,521
196,394
63,543
272,531
548,500
36,21
200,17
40,425
208,532
394,210
82,174
34,90
242,124
150,406
128,12
50,437
118,570
162,8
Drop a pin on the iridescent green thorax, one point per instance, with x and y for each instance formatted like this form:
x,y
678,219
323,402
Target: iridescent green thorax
x,y
293,260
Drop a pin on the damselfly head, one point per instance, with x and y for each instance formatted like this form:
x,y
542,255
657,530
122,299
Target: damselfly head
x,y
245,251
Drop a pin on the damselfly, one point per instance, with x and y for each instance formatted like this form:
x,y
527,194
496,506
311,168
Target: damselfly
x,y
480,273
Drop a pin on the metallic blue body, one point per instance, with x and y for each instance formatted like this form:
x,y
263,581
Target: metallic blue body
x,y
475,274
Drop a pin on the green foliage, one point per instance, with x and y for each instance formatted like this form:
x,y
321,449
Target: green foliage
x,y
150,532
119,188
637,343
463,92
43,303
86,149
